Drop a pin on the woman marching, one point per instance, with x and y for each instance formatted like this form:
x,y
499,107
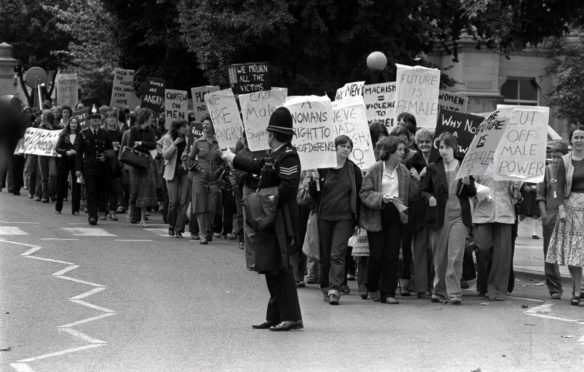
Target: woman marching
x,y
337,210
567,241
449,198
67,147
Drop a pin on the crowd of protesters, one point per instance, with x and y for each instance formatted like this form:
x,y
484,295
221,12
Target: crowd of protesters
x,y
428,232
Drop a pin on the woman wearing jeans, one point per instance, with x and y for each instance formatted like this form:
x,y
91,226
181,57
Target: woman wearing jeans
x,y
337,211
176,176
386,187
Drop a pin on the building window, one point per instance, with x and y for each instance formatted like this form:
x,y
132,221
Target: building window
x,y
520,91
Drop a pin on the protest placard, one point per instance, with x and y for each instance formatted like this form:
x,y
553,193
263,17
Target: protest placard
x,y
19,147
314,130
123,95
417,93
154,96
249,77
452,101
463,126
350,119
350,90
41,141
176,106
195,131
67,89
225,117
81,115
198,96
481,152
380,103
256,109
521,152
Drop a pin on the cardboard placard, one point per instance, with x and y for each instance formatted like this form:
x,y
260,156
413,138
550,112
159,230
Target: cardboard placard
x,y
256,109
123,95
314,131
67,89
176,104
354,89
350,119
463,126
154,96
198,96
249,77
225,117
41,141
82,115
452,101
417,93
380,103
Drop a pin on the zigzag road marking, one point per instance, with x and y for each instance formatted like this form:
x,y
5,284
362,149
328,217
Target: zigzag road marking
x,y
542,311
21,365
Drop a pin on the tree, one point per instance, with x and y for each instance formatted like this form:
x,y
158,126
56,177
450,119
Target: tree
x,y
30,27
568,94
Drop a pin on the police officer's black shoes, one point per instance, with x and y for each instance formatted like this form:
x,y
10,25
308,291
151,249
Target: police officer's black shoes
x,y
287,325
92,221
264,325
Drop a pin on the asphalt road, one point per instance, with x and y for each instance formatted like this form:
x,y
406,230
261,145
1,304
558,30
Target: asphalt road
x,y
118,297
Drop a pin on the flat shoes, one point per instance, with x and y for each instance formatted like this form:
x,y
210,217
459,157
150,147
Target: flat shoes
x,y
287,325
264,325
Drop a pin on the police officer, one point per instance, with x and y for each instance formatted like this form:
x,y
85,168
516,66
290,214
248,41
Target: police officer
x,y
280,168
91,163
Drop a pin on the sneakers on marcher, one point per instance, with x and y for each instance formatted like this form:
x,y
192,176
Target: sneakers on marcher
x,y
334,297
374,296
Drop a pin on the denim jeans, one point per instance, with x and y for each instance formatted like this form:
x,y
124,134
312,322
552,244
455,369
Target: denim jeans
x,y
334,237
48,170
178,196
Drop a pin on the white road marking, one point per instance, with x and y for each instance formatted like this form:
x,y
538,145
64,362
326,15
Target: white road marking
x,y
49,260
59,353
88,231
159,232
82,336
92,306
21,223
66,270
133,240
83,321
11,230
541,311
88,293
80,281
58,239
526,299
21,367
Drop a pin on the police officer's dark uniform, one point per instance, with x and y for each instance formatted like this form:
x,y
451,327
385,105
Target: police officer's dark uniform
x,y
91,162
280,168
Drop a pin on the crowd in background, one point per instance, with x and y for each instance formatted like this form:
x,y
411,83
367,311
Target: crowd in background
x,y
428,232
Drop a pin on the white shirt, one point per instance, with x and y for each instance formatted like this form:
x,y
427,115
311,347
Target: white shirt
x,y
390,182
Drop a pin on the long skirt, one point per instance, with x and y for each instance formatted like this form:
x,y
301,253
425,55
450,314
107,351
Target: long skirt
x,y
143,186
567,241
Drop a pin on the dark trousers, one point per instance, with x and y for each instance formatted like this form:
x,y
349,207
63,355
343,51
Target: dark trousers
x,y
15,174
553,278
228,209
384,245
405,267
48,170
333,236
179,191
494,257
238,194
95,184
66,168
283,304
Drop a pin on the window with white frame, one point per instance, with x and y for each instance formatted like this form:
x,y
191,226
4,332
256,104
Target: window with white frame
x,y
520,91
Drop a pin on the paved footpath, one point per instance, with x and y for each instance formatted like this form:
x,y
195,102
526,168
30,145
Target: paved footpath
x,y
117,297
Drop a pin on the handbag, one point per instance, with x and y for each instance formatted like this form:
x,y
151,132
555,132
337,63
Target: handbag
x,y
360,243
261,208
311,244
134,158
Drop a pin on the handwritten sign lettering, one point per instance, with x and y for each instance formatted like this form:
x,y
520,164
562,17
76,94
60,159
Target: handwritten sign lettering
x,y
249,77
123,89
225,117
350,119
154,96
41,141
417,93
176,106
452,101
199,105
256,109
350,90
463,126
314,131
380,103
82,115
67,89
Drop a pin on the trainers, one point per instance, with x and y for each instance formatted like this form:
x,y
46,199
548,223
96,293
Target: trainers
x,y
455,301
374,296
325,297
334,297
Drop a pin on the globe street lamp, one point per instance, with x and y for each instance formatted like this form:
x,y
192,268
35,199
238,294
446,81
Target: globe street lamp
x,y
376,62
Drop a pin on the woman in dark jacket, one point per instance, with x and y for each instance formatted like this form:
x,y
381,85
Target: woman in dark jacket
x,y
337,210
448,201
143,182
67,148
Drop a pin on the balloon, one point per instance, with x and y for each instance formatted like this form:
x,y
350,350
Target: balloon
x,y
376,61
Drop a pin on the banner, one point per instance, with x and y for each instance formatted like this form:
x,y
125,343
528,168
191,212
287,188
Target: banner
x,y
249,77
314,131
123,95
452,101
41,141
199,105
463,126
380,103
82,115
19,147
417,93
256,109
176,106
350,90
522,150
481,152
350,119
67,89
225,117
154,97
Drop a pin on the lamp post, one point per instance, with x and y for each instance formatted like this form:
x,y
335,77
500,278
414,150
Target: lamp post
x,y
376,62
